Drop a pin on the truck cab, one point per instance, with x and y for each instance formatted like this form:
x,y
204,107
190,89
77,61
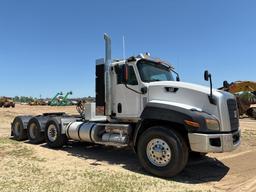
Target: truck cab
x,y
145,88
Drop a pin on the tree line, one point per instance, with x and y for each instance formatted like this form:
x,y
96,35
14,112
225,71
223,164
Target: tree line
x,y
25,99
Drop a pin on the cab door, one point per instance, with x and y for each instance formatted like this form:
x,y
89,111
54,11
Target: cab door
x,y
127,97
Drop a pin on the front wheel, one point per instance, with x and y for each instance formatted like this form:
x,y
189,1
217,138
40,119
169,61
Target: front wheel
x,y
162,151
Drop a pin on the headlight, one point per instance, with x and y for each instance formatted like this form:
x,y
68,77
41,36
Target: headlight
x,y
212,124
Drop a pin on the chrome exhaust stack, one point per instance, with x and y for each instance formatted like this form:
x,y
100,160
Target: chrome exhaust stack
x,y
108,100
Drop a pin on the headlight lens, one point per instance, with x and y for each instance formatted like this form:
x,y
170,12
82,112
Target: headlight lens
x,y
212,124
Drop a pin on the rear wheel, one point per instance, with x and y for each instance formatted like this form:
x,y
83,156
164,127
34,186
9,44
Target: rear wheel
x,y
53,135
35,135
19,132
162,151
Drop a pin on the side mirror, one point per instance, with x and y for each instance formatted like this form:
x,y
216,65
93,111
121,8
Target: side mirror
x,y
225,84
177,78
206,75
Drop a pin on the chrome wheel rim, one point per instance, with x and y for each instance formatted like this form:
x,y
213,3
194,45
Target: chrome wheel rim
x,y
158,152
52,133
32,130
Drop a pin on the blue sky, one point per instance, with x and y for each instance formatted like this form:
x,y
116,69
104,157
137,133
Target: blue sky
x,y
47,46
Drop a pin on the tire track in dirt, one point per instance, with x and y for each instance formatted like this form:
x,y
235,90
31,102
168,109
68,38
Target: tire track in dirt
x,y
242,175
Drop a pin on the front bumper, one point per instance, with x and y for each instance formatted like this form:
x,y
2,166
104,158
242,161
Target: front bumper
x,y
217,143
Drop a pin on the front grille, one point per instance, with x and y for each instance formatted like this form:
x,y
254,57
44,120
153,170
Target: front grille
x,y
233,114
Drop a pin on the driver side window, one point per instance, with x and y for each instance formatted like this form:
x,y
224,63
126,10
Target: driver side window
x,y
132,80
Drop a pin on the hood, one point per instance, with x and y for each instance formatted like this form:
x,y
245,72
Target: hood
x,y
185,95
190,96
182,85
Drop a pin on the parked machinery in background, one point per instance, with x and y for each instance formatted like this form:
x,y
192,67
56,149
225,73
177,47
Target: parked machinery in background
x,y
64,100
245,92
37,102
7,102
60,100
54,101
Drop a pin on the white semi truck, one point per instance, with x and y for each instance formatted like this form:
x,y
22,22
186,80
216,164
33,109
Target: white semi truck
x,y
145,108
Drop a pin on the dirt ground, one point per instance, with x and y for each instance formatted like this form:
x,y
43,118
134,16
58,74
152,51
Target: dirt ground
x,y
80,167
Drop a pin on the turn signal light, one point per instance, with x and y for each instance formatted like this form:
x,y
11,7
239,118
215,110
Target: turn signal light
x,y
192,123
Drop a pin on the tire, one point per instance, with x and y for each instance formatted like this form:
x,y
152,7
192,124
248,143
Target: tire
x,y
35,135
53,135
18,129
162,151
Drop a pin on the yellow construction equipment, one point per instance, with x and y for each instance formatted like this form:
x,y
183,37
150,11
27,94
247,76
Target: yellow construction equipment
x,y
245,92
7,102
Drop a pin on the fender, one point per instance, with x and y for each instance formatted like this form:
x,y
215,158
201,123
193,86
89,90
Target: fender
x,y
165,112
173,114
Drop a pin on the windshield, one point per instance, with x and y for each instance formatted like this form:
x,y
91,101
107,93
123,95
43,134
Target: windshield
x,y
151,71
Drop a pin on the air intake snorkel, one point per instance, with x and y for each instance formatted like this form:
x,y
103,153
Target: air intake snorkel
x,y
108,101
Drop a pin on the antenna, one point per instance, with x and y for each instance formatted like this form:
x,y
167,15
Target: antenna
x,y
123,48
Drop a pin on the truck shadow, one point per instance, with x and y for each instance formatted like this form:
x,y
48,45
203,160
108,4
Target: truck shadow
x,y
198,170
